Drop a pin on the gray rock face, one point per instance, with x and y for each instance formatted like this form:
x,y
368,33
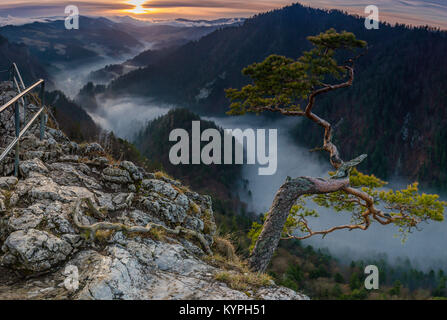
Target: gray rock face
x,y
133,170
175,274
40,238
29,166
8,182
93,148
34,250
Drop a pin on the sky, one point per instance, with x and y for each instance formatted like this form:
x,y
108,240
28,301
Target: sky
x,y
415,12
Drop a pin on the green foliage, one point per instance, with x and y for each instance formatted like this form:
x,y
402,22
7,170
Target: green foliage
x,y
336,291
289,283
356,294
278,81
358,179
319,273
338,278
440,290
395,290
295,273
409,202
293,222
354,281
298,259
297,213
283,82
254,233
408,207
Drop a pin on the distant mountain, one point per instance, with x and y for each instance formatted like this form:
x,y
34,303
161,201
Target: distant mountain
x,y
216,22
180,22
395,112
51,42
163,37
113,71
97,39
10,20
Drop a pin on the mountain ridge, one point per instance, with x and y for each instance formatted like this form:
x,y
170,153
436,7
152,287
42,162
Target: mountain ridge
x,y
195,76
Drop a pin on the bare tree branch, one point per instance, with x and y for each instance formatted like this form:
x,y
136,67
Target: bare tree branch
x,y
328,146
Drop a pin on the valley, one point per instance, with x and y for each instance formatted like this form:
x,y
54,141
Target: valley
x,y
128,84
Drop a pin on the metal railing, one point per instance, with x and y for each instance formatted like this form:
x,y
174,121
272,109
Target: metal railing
x,y
23,93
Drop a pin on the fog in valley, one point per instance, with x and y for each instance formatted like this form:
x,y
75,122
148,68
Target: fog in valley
x,y
71,77
425,249
127,115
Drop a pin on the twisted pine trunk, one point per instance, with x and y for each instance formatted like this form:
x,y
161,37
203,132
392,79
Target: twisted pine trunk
x,y
285,198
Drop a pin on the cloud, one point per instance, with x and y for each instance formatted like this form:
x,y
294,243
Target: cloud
x,y
125,116
245,5
415,12
57,8
17,21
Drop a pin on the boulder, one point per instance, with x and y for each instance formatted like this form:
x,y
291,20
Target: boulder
x,y
29,166
34,250
8,182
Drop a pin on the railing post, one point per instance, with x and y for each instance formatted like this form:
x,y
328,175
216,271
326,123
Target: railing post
x,y
42,115
17,125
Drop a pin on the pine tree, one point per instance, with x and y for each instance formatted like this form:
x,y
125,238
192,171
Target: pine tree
x,y
280,85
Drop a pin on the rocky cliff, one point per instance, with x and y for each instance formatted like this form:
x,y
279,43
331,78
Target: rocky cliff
x,y
79,225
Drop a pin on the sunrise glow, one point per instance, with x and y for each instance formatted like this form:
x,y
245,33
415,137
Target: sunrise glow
x,y
420,12
139,9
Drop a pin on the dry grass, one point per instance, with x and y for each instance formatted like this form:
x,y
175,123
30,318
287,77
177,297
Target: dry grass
x,y
112,161
244,281
104,235
194,207
181,189
207,220
224,247
7,198
157,234
222,262
154,233
161,175
225,256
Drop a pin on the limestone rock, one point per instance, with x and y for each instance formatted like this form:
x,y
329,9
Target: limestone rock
x,y
115,175
35,250
29,166
132,169
39,238
8,182
94,149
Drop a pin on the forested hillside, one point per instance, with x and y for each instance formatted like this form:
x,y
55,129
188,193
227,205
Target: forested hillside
x,y
73,120
20,54
395,112
153,142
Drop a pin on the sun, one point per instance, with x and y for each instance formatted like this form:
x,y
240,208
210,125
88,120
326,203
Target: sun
x,y
139,9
